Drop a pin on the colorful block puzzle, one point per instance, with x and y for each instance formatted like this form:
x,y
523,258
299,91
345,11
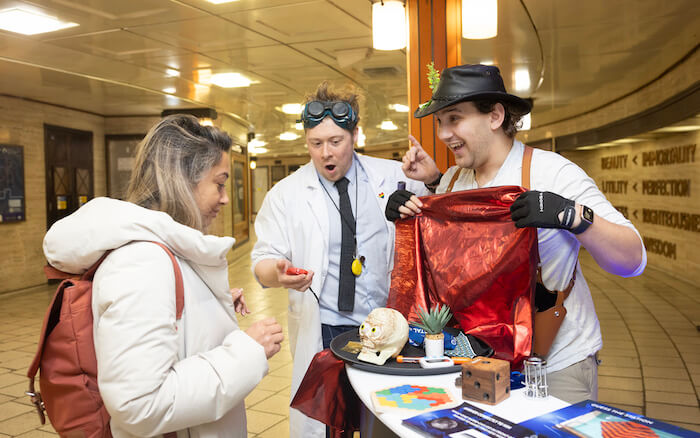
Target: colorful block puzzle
x,y
411,399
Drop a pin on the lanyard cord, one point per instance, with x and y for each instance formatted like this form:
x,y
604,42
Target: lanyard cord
x,y
345,220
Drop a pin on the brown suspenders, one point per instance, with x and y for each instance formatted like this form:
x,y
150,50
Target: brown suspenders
x,y
547,322
527,160
454,180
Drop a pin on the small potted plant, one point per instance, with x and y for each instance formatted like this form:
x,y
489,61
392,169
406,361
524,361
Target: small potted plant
x,y
433,323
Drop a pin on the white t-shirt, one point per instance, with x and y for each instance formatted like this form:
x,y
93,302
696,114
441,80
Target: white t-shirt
x,y
579,336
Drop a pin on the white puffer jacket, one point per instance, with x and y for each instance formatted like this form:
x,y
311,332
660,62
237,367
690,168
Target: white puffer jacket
x,y
157,375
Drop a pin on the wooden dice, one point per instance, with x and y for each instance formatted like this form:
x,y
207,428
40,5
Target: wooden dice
x,y
486,380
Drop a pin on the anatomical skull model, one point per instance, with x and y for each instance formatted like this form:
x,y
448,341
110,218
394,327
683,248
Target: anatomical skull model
x,y
383,335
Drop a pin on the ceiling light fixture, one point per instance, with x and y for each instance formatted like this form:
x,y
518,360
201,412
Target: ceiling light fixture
x,y
292,108
679,128
595,146
522,80
253,163
388,125
479,19
172,73
169,90
30,23
288,136
255,146
627,140
255,143
388,25
230,80
299,126
399,108
220,2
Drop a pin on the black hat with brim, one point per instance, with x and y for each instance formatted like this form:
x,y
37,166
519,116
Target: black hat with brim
x,y
471,82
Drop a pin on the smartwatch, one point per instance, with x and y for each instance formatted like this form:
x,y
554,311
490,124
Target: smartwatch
x,y
586,220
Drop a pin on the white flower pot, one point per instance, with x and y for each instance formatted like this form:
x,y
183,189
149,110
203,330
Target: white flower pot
x,y
434,345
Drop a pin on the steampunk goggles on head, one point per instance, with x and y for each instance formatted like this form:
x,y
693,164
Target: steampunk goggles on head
x,y
341,112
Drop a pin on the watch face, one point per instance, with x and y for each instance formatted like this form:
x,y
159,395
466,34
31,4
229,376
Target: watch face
x,y
587,214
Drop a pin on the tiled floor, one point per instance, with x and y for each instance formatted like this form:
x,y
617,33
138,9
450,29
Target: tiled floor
x,y
651,357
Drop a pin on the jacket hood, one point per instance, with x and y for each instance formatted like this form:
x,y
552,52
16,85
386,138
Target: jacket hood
x,y
76,242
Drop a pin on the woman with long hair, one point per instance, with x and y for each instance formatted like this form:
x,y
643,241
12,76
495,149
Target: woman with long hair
x,y
156,373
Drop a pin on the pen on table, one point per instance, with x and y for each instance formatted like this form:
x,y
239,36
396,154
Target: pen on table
x,y
415,359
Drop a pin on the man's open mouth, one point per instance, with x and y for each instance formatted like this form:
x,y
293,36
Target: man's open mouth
x,y
456,146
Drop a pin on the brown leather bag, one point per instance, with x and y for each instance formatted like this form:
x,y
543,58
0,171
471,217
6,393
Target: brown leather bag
x,y
547,322
66,356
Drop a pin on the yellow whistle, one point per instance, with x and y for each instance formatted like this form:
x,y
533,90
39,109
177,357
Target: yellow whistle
x,y
356,267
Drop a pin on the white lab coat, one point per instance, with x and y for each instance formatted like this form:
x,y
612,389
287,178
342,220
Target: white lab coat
x,y
293,224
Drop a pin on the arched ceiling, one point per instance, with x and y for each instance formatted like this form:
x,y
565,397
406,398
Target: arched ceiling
x,y
122,56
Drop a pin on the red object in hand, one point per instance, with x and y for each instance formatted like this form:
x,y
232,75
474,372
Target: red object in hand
x,y
296,271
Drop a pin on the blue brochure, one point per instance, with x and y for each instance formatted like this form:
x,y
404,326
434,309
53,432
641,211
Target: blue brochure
x,y
466,421
589,419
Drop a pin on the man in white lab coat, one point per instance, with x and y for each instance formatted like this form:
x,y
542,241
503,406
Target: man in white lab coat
x,y
328,219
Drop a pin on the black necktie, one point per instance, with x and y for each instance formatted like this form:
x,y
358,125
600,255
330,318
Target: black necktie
x,y
346,287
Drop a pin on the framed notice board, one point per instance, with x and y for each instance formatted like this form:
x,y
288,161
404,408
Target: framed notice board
x,y
120,159
12,208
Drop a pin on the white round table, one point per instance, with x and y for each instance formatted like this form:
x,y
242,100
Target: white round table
x,y
516,408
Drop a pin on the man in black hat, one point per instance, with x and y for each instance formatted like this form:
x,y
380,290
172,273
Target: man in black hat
x,y
477,119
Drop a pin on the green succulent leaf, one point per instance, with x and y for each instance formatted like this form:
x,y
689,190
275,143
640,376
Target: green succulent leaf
x,y
433,321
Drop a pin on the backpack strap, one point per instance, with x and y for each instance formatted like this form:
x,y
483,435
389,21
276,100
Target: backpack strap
x,y
88,275
54,274
179,286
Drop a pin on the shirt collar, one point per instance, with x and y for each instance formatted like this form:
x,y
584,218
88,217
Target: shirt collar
x,y
514,156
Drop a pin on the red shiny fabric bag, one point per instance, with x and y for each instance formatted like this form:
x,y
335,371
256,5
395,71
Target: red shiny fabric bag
x,y
325,394
464,250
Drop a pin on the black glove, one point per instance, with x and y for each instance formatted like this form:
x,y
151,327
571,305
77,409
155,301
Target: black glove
x,y
541,210
396,200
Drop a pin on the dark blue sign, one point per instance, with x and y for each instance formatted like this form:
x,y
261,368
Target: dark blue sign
x,y
11,183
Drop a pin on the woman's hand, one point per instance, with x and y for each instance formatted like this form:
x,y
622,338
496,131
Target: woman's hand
x,y
239,302
267,333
